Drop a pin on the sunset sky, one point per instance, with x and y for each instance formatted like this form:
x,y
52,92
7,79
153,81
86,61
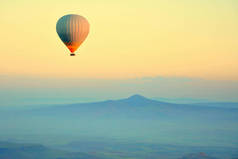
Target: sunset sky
x,y
128,39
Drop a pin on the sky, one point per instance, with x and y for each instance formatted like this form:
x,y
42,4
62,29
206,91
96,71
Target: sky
x,y
128,40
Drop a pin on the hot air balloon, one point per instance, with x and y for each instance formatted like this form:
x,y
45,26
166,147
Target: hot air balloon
x,y
73,30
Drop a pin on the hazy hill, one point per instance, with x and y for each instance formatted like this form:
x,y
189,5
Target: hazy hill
x,y
34,151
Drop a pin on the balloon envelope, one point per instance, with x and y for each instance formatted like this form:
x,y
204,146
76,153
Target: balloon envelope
x,y
73,30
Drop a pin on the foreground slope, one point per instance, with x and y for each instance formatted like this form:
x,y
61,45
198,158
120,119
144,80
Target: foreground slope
x,y
34,151
200,155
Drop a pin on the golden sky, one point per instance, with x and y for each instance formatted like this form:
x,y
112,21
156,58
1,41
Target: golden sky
x,y
128,39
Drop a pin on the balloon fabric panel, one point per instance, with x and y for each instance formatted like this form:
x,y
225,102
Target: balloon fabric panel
x,y
72,30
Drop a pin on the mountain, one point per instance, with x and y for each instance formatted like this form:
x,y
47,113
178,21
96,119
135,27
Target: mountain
x,y
135,118
35,151
139,107
200,155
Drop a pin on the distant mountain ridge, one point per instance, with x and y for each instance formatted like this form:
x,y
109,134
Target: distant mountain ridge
x,y
194,101
138,107
139,99
219,104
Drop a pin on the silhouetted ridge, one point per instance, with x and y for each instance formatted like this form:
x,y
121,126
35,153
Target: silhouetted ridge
x,y
134,100
138,100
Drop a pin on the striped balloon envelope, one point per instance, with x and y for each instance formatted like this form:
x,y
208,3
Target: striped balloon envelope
x,y
73,30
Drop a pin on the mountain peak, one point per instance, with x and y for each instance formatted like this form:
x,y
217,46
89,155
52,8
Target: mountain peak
x,y
137,96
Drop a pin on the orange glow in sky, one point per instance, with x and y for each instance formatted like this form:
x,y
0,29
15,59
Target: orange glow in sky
x,y
127,39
